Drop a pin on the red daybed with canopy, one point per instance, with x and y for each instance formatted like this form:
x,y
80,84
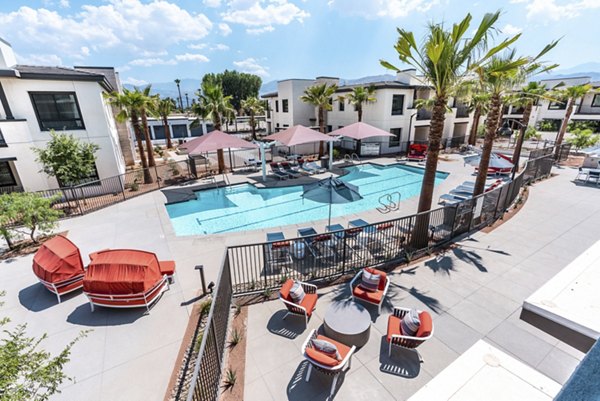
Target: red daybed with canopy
x,y
126,278
58,266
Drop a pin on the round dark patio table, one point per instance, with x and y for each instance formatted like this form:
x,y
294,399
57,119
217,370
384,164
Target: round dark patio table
x,y
347,322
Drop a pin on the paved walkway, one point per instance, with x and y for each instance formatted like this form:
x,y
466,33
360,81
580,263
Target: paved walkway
x,y
473,292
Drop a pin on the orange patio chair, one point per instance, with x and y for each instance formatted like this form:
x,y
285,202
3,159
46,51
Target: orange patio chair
x,y
304,308
395,336
372,297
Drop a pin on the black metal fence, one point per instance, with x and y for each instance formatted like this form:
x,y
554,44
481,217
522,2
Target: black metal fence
x,y
209,365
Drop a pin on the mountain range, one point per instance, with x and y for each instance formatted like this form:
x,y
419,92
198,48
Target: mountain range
x,y
190,86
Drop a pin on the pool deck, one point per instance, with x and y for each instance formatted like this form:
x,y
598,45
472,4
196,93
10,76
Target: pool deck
x,y
130,355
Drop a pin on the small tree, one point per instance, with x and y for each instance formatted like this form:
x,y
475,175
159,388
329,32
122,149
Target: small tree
x,y
67,158
32,211
583,138
28,372
7,219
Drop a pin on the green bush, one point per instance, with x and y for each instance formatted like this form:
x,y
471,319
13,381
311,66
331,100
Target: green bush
x,y
481,131
158,150
548,125
583,138
583,125
29,210
530,133
337,154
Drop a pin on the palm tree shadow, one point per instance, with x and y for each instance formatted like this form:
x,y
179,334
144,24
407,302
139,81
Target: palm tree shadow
x,y
396,291
470,257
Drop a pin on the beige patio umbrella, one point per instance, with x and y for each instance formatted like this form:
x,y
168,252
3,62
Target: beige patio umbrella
x,y
359,131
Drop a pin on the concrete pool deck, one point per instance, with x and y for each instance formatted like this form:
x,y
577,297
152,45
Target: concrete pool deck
x,y
108,363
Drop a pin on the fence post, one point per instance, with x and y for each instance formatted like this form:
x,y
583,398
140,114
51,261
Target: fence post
x,y
214,333
122,187
157,177
344,255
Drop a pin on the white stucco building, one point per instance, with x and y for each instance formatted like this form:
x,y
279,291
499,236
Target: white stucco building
x,y
35,100
393,111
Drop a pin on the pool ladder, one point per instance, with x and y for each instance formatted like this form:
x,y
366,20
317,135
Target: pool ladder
x,y
389,202
352,158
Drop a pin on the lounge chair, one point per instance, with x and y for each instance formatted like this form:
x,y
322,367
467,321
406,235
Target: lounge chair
x,y
289,170
452,199
320,245
582,174
277,251
276,171
251,164
593,175
377,237
373,297
417,152
325,363
397,338
308,304
312,166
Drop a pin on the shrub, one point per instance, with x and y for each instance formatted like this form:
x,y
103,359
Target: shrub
x,y
337,154
236,337
30,210
481,131
583,138
230,378
158,150
549,125
582,125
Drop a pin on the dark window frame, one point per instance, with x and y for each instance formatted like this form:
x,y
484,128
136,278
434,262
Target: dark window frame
x,y
396,112
395,140
11,174
3,143
342,105
276,106
285,106
594,99
37,114
556,105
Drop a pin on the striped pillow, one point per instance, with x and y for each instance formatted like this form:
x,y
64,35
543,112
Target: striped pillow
x,y
370,281
410,323
327,348
297,292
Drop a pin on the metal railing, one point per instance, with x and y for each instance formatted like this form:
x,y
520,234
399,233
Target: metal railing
x,y
264,266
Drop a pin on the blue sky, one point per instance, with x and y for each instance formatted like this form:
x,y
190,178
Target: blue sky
x,y
157,41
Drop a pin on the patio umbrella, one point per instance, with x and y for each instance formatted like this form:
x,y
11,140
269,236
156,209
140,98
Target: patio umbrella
x,y
331,190
496,161
359,131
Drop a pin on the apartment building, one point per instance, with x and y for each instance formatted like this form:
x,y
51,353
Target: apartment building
x,y
37,99
394,111
181,127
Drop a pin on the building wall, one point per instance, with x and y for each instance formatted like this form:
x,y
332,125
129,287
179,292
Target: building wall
x,y
21,136
586,106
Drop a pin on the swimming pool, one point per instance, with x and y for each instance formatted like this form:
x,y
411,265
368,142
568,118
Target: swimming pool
x,y
245,207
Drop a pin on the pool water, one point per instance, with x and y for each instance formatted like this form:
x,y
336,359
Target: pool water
x,y
245,207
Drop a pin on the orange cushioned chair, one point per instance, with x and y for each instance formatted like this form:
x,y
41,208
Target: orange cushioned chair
x,y
375,297
304,308
394,331
323,362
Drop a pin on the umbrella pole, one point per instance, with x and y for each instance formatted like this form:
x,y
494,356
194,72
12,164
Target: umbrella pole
x,y
263,160
230,160
330,155
330,201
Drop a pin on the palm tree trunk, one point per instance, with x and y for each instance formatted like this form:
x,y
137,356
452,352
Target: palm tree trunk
x,y
359,110
475,126
220,157
321,128
253,125
563,127
149,148
138,138
519,145
488,142
167,132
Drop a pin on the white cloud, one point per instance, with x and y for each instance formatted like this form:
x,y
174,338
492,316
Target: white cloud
x,y
220,46
550,10
212,3
263,12
224,29
149,62
251,66
152,53
192,57
85,51
511,30
198,46
258,31
381,8
59,3
135,82
128,24
40,59
64,3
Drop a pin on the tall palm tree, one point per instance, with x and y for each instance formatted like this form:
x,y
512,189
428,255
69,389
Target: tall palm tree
x,y
178,83
478,104
130,102
320,96
360,96
143,111
253,106
570,95
162,108
215,106
443,59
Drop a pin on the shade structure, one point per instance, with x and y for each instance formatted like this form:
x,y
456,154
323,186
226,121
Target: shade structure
x,y
297,135
332,191
124,278
497,162
215,140
58,266
359,131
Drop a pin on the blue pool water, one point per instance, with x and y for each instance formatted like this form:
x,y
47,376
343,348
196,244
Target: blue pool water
x,y
245,207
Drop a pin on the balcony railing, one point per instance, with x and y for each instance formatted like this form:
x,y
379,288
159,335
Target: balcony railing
x,y
423,114
10,189
462,112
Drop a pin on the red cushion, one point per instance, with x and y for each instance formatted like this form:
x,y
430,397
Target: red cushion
x,y
323,237
323,358
384,226
382,280
426,325
285,290
280,244
167,267
308,302
393,327
373,297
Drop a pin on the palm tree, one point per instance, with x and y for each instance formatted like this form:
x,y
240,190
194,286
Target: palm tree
x,y
570,95
130,102
442,60
361,95
143,111
319,96
253,106
178,82
162,108
478,104
216,107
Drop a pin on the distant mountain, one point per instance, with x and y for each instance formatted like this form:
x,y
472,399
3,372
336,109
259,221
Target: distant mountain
x,y
591,70
169,89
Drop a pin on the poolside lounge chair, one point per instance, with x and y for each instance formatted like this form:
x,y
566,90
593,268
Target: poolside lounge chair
x,y
417,152
312,167
276,171
373,297
289,170
320,245
325,363
451,199
582,174
593,175
308,304
251,163
397,338
277,251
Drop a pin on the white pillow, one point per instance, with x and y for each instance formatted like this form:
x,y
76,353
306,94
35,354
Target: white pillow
x,y
410,323
327,348
297,292
369,281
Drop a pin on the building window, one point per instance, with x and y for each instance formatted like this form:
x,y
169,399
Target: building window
x,y
159,132
397,105
285,125
342,104
179,131
7,179
331,101
276,106
557,106
395,140
340,126
58,111
284,106
329,128
596,101
3,143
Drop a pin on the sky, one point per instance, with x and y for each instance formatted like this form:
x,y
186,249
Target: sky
x,y
160,40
